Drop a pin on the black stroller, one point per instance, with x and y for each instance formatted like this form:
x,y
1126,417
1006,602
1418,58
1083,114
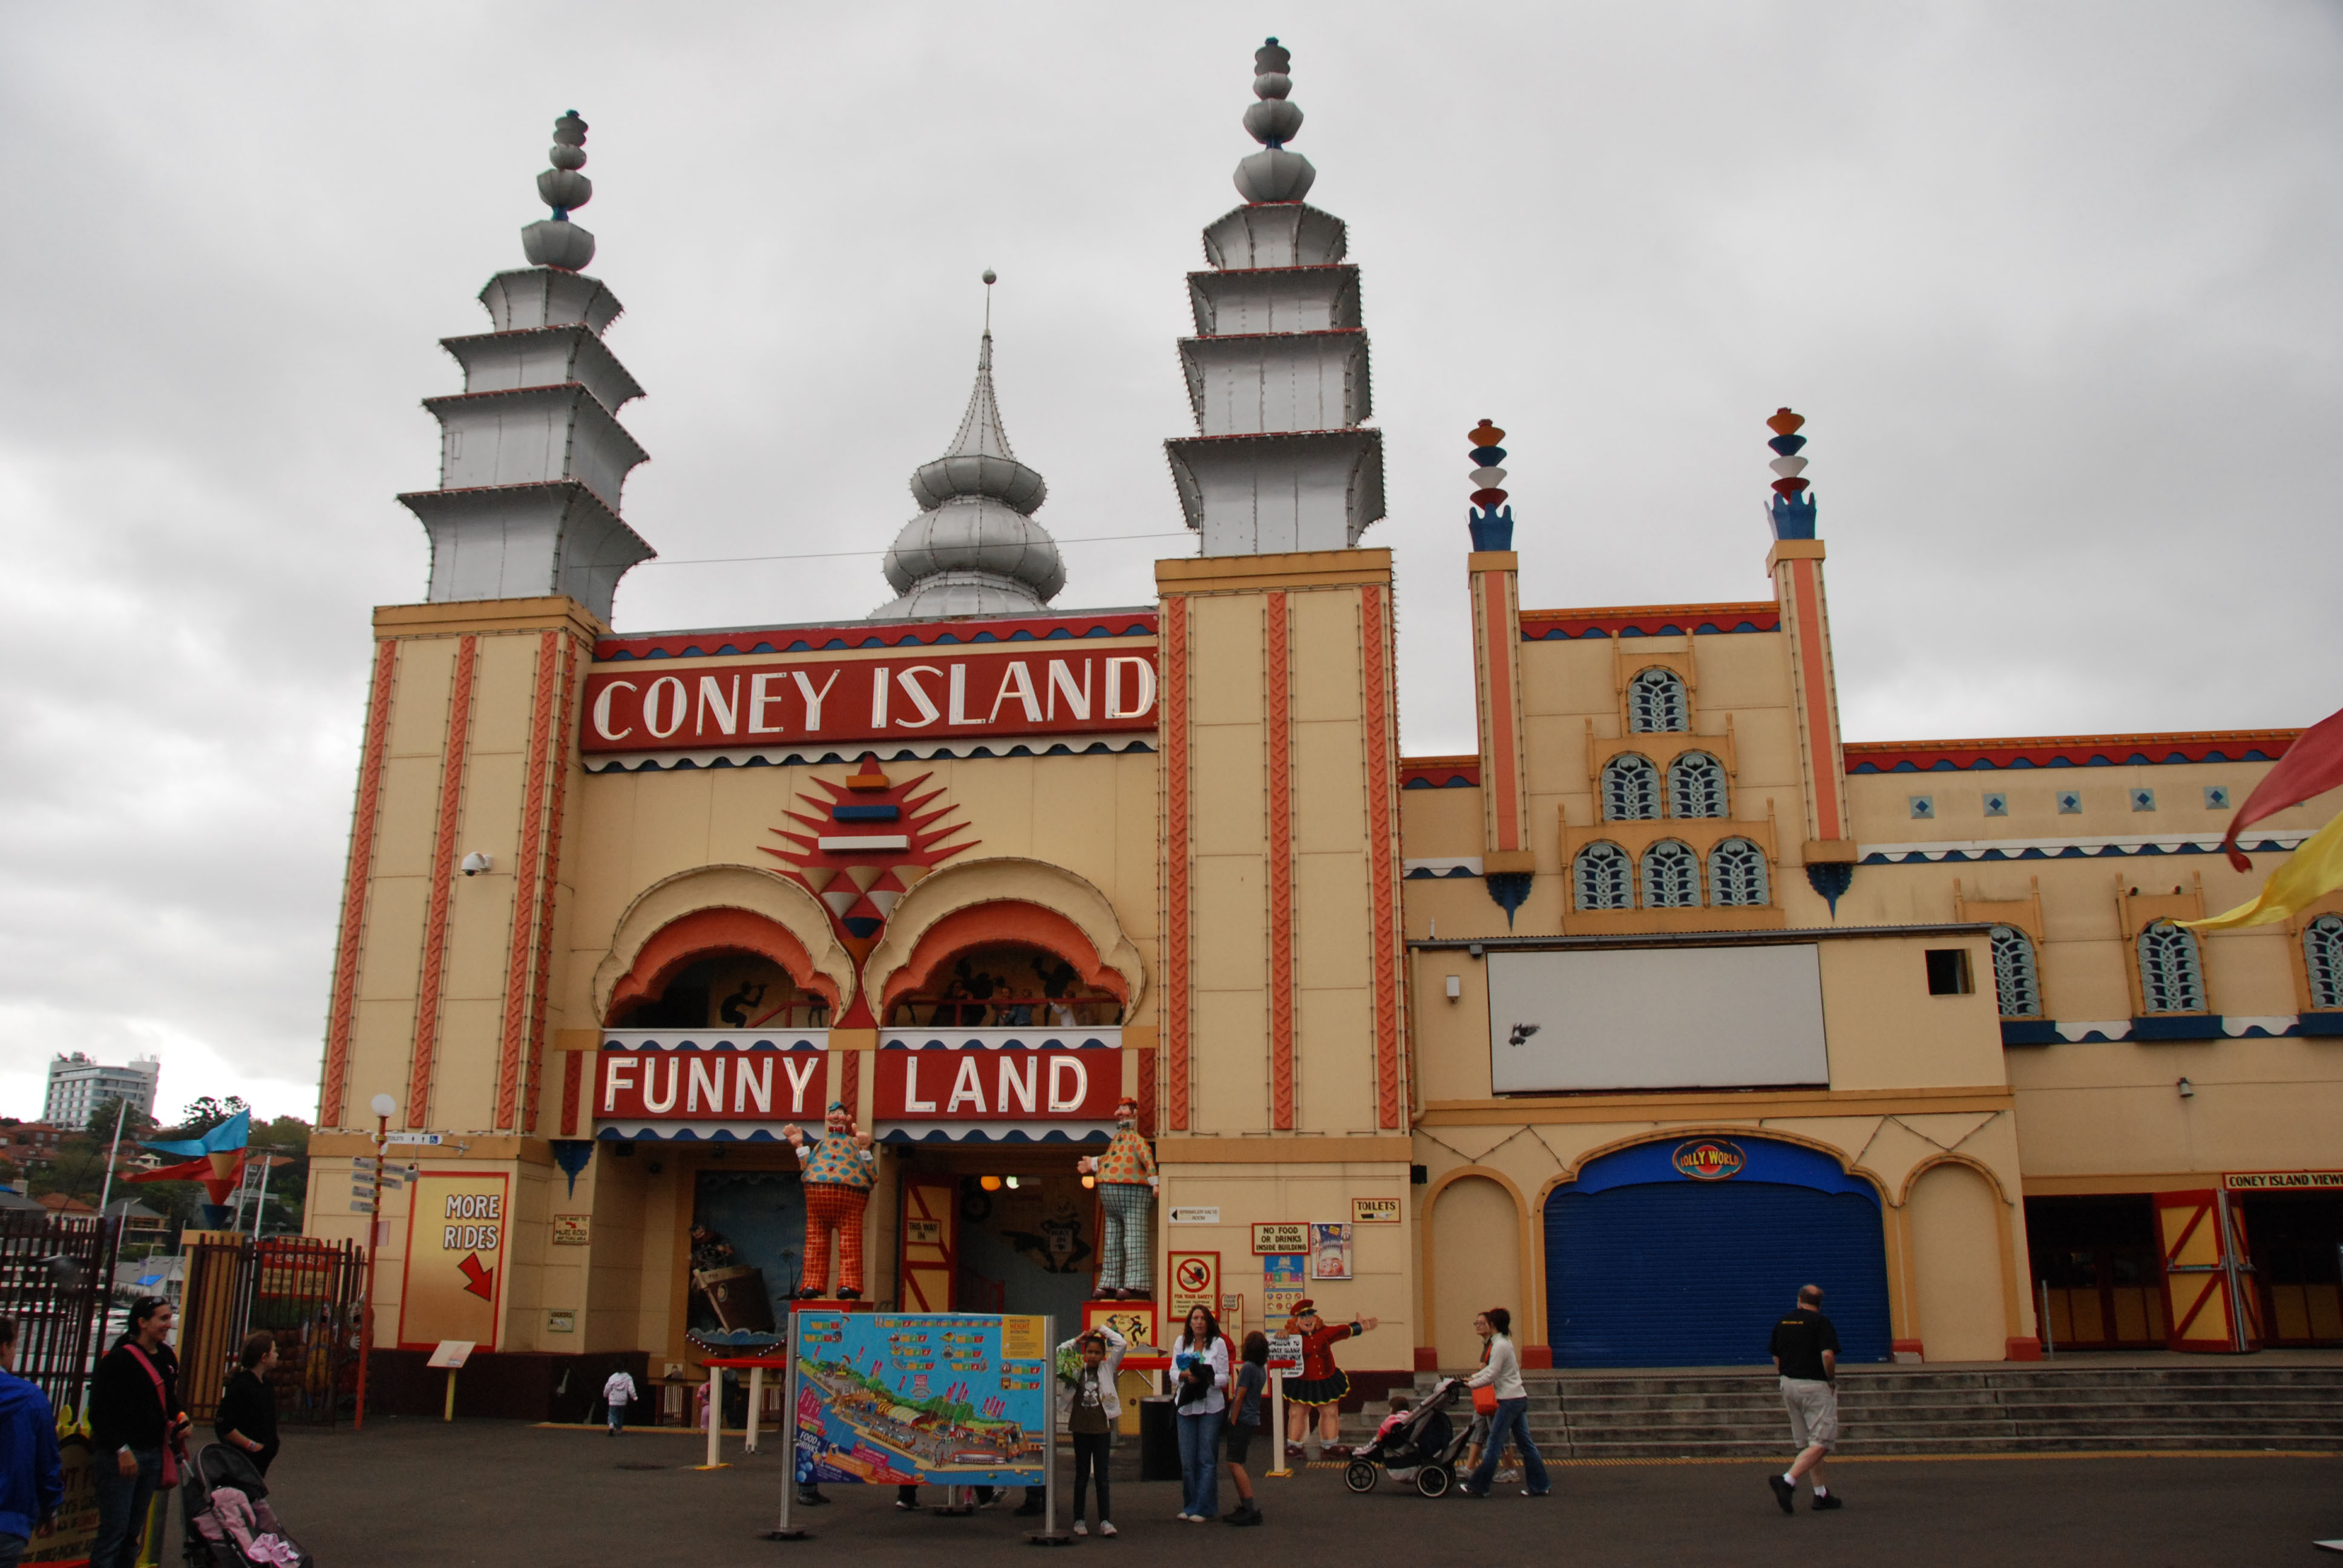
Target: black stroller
x,y
1423,1449
219,1531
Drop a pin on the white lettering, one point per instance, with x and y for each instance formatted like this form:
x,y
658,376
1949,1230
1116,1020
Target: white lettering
x,y
1017,682
682,706
708,1070
602,711
713,699
800,1066
879,698
812,697
959,697
965,1087
1143,675
911,1101
650,1076
761,697
929,712
612,1066
1025,1088
762,1080
1068,1066
1062,678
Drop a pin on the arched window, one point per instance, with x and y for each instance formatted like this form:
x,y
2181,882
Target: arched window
x,y
1671,875
2322,957
1696,786
1603,877
2171,977
1736,874
1656,703
1631,789
2014,979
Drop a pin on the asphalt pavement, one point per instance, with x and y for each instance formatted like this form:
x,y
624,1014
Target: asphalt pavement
x,y
497,1492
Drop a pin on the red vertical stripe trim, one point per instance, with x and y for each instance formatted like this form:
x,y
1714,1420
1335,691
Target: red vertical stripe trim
x,y
1383,776
443,879
1814,676
1146,1095
573,1072
527,853
342,1012
557,797
1278,675
1174,627
1497,653
850,1082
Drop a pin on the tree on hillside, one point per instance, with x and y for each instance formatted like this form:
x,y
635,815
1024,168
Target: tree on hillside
x,y
202,1115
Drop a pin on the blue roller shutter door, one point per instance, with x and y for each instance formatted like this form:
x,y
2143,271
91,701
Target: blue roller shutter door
x,y
1691,1273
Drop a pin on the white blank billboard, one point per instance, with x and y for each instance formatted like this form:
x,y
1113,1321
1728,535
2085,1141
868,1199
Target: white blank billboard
x,y
1656,1018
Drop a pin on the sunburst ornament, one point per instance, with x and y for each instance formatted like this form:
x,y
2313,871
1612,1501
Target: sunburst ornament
x,y
865,846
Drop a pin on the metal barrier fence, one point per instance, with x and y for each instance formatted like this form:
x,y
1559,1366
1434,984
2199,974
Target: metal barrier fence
x,y
303,1291
56,1272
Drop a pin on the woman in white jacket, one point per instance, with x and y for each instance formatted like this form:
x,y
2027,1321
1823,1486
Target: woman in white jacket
x,y
1501,1373
1089,1407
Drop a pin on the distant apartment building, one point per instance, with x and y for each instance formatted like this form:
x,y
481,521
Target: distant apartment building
x,y
79,1086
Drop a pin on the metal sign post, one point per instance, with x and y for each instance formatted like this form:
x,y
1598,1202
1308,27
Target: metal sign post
x,y
1277,1425
785,1531
1050,1534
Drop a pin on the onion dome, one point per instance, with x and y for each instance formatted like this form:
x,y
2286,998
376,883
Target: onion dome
x,y
1792,512
1489,518
556,241
974,548
1273,174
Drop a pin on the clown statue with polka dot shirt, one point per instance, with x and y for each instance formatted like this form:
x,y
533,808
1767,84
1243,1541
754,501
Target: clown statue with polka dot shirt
x,y
840,1168
1126,1189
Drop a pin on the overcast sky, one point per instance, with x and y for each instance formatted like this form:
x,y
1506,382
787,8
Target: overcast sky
x,y
2055,286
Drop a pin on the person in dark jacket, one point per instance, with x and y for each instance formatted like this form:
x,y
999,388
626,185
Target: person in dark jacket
x,y
133,1414
247,1418
31,1482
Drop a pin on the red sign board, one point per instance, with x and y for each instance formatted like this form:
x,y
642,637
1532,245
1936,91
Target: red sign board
x,y
719,1084
978,1084
920,694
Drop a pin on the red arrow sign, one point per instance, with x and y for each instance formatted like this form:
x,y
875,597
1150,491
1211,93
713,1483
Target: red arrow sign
x,y
477,1278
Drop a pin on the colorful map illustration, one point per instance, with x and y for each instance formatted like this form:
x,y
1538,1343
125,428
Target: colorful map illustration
x,y
951,1398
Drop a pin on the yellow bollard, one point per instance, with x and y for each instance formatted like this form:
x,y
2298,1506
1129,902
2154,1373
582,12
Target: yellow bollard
x,y
450,1413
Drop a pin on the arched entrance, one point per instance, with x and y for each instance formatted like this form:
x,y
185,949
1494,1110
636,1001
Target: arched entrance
x,y
1683,1252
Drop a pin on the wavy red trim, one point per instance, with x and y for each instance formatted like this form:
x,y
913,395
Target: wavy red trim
x,y
736,642
442,874
1439,772
340,1017
1175,859
1382,844
2068,751
1650,621
565,687
519,950
1279,676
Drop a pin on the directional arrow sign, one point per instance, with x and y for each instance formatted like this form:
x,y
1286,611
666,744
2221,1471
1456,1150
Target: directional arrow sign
x,y
476,1278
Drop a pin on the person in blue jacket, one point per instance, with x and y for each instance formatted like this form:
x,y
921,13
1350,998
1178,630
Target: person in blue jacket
x,y
31,1482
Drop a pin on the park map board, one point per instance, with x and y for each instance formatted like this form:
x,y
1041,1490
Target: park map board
x,y
949,1398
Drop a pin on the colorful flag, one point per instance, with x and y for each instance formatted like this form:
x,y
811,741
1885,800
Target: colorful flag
x,y
2310,873
2311,766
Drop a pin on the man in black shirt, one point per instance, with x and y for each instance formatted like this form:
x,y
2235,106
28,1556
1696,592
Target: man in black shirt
x,y
1805,1353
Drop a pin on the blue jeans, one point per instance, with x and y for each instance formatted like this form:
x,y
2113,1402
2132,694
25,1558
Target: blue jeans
x,y
619,1415
12,1550
1512,1416
122,1505
1200,1464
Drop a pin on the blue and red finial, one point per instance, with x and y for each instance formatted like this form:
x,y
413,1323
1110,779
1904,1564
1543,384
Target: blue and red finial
x,y
1493,528
1793,511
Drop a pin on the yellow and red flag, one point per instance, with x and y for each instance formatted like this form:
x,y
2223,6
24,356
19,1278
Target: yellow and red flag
x,y
2311,766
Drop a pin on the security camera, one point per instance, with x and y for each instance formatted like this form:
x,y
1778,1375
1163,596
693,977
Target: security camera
x,y
475,863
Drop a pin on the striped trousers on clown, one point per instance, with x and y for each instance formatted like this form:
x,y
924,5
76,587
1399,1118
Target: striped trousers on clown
x,y
832,1209
1126,1251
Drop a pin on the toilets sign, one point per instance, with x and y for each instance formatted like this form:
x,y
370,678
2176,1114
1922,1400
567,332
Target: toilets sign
x,y
913,694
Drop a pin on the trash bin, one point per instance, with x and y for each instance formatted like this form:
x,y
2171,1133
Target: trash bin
x,y
1159,1439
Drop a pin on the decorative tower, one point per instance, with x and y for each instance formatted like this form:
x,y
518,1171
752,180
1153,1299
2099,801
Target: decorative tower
x,y
1277,372
1507,862
1795,565
974,548
532,455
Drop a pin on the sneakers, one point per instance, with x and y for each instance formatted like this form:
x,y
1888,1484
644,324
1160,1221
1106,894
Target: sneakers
x,y
1248,1514
1783,1493
1104,1528
1827,1502
907,1506
1080,1528
809,1497
1527,1492
1029,1510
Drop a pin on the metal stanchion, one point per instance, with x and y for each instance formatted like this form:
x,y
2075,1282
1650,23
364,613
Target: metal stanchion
x,y
784,1530
715,1419
1050,1534
1277,1424
756,1399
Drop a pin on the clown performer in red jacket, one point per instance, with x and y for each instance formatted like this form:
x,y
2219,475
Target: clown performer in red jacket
x,y
1126,1189
1321,1384
838,1168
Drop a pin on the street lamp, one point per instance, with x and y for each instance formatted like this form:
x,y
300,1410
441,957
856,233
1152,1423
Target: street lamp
x,y
382,1107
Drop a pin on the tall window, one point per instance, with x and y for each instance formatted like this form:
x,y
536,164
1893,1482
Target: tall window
x,y
2171,977
1656,703
1736,874
2014,976
2322,957
1603,877
1671,875
1631,789
1696,786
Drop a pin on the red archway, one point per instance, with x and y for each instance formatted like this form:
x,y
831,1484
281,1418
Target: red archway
x,y
706,933
1004,921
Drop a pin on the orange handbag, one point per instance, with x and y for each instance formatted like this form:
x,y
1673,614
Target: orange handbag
x,y
1484,1400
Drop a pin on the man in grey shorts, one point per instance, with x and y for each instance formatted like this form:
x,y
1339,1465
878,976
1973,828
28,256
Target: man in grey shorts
x,y
1805,1353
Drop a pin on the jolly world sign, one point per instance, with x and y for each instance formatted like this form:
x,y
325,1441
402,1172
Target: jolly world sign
x,y
923,694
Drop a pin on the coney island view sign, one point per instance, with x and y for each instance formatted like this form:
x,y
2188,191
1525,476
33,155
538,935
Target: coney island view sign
x,y
923,694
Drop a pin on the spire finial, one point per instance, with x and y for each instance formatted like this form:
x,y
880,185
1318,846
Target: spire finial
x,y
556,241
1492,530
1792,511
1273,174
990,277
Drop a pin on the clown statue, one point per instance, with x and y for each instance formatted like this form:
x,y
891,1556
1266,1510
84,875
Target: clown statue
x,y
1126,1189
838,1171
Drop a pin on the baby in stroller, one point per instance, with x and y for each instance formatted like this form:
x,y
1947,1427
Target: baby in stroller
x,y
229,1523
1417,1445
